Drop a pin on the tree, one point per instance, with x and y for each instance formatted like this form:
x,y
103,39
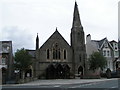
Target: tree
x,y
23,60
97,60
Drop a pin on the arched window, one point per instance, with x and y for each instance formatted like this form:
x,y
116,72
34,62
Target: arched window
x,y
48,54
56,52
59,54
64,54
104,52
80,57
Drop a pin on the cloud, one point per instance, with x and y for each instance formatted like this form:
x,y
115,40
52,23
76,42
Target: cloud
x,y
20,38
98,17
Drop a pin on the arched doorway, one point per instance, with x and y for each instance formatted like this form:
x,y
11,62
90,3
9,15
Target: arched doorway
x,y
50,72
59,71
66,71
28,73
80,71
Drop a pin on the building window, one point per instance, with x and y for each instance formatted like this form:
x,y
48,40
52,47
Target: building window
x,y
116,48
48,54
104,53
64,54
80,57
59,54
3,61
56,52
108,53
106,45
54,55
116,53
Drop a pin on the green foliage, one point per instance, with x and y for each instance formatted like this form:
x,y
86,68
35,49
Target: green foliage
x,y
22,59
97,60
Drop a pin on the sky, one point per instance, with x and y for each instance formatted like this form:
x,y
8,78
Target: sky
x,y
21,20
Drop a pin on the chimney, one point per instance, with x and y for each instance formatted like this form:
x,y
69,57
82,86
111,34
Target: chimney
x,y
88,38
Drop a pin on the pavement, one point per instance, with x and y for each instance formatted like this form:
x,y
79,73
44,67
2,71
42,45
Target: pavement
x,y
62,81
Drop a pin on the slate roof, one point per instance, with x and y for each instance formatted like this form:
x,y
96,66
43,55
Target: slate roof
x,y
56,35
31,52
101,42
113,41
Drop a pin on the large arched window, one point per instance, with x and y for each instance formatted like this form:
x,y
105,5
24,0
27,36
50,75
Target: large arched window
x,y
56,52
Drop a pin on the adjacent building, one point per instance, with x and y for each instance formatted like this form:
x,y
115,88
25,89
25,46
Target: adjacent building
x,y
6,60
117,61
109,49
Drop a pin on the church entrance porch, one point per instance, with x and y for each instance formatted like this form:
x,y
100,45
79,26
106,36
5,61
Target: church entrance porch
x,y
80,71
28,73
50,72
57,71
66,71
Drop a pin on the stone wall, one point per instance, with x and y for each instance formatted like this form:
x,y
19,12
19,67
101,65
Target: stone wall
x,y
92,74
26,80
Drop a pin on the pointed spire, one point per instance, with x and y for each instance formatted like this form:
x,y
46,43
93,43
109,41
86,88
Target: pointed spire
x,y
76,17
37,42
37,38
56,29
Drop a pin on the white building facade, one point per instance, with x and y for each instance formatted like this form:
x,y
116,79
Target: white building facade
x,y
108,49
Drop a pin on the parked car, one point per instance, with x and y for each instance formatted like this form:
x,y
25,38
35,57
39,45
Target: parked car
x,y
114,74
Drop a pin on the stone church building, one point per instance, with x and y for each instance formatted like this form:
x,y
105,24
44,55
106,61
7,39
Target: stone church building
x,y
56,58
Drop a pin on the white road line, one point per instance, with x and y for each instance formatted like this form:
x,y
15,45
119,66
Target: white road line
x,y
81,86
57,86
115,87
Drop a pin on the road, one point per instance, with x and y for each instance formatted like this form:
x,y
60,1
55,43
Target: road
x,y
102,85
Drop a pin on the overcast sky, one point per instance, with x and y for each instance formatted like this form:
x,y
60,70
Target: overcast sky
x,y
21,20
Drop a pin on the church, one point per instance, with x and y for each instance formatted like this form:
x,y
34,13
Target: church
x,y
56,59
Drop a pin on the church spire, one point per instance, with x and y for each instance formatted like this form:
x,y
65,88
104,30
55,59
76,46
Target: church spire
x,y
37,42
76,17
56,29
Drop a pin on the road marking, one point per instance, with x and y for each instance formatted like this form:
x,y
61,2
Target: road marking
x,y
81,85
57,86
114,87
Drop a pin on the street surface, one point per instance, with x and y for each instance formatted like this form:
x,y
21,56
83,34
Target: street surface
x,y
68,84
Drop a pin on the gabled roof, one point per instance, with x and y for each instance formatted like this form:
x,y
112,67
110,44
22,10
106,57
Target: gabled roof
x,y
113,41
56,35
100,43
